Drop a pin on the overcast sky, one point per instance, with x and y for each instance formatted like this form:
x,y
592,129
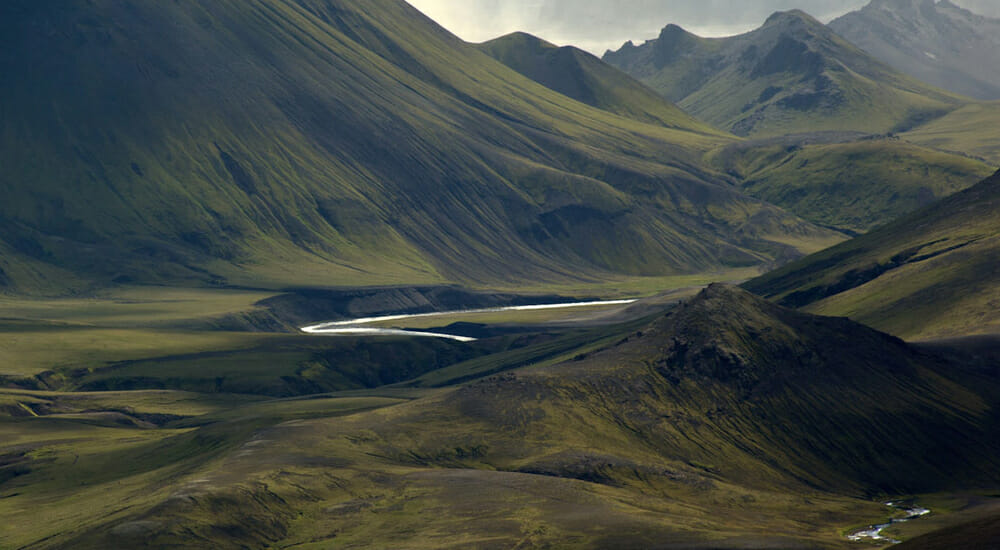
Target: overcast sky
x,y
598,25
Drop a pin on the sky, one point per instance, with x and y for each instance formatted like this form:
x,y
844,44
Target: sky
x,y
599,25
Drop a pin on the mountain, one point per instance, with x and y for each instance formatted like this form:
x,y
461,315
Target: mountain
x,y
279,143
934,41
791,75
585,78
932,274
844,181
728,423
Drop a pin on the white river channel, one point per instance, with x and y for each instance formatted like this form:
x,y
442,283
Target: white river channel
x,y
360,327
874,532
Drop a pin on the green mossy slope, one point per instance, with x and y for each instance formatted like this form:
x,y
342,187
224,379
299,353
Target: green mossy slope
x,y
307,142
729,423
932,274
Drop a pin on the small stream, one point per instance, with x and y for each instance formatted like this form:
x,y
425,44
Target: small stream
x,y
359,327
874,532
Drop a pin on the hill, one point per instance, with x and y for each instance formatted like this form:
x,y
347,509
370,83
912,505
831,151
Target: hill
x,y
791,75
928,275
844,181
585,78
936,42
281,143
968,130
729,423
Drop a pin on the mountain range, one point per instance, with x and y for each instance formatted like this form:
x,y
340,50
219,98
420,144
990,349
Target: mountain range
x,y
937,42
305,142
186,184
585,78
791,75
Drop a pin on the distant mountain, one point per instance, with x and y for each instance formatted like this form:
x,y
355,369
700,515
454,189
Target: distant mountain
x,y
329,142
585,78
709,428
791,75
937,42
932,274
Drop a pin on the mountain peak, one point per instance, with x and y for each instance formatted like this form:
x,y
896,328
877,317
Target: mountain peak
x,y
935,42
902,4
728,335
791,17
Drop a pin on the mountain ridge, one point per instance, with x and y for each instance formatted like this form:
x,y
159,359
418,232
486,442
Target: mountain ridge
x,y
585,78
937,42
792,74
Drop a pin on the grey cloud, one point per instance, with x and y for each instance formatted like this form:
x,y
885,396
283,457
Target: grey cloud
x,y
596,25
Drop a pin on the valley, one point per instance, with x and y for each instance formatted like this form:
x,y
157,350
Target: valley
x,y
324,274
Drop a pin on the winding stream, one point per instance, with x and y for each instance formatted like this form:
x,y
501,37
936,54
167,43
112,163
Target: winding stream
x,y
359,327
874,532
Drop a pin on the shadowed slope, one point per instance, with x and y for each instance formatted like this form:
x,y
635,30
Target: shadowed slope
x,y
791,75
272,142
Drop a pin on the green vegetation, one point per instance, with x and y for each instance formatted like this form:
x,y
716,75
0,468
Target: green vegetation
x,y
851,186
928,275
728,423
338,143
791,75
968,130
585,78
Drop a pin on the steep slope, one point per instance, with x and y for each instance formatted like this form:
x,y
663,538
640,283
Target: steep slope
x,y
844,182
791,75
585,78
308,142
932,274
937,42
731,423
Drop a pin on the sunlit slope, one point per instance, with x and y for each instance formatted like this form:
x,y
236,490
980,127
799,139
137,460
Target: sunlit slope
x,y
297,141
585,78
970,130
931,274
852,186
793,74
731,423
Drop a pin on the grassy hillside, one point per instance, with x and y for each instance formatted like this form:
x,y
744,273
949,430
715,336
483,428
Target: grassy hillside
x,y
730,423
791,75
968,130
848,185
928,275
280,142
585,78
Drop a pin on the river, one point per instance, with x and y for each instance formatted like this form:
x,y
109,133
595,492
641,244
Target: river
x,y
874,532
360,327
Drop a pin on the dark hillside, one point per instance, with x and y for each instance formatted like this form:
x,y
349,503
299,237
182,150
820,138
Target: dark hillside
x,y
308,142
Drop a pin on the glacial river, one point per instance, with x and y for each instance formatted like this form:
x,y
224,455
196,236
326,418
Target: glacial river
x,y
874,532
361,327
